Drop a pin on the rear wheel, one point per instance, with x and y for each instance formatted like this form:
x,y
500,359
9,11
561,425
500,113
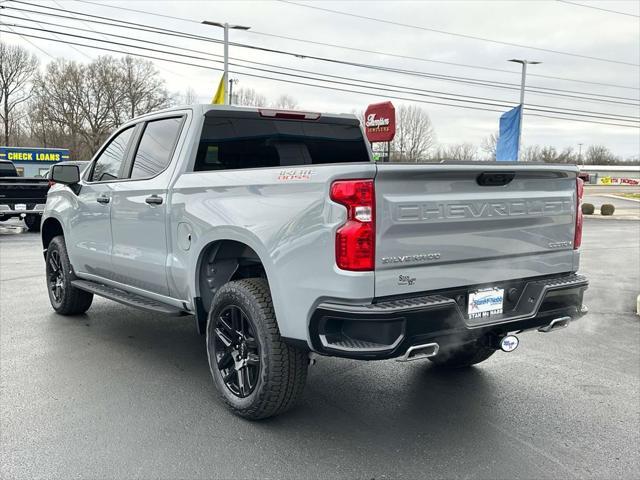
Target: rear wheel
x,y
32,222
462,357
254,371
64,297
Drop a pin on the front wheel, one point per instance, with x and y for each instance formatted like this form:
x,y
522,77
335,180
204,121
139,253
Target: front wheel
x,y
255,372
64,297
463,356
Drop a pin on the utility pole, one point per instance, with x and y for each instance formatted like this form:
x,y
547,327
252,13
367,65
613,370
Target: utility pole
x,y
524,64
580,153
225,75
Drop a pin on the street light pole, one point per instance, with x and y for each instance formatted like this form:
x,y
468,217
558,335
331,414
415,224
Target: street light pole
x,y
524,64
580,153
225,75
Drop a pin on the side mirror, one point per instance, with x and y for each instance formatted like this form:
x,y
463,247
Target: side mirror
x,y
65,174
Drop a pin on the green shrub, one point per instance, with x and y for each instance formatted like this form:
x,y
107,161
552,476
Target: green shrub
x,y
588,208
607,209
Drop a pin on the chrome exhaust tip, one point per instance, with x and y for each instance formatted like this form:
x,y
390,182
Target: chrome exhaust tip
x,y
418,352
556,324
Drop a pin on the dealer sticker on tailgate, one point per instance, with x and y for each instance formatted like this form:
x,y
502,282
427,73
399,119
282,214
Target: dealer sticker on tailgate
x,y
484,303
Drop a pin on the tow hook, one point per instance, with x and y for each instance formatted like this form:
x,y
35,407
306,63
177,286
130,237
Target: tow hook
x,y
509,343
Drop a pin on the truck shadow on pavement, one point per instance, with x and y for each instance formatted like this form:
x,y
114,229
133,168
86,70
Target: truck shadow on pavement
x,y
380,414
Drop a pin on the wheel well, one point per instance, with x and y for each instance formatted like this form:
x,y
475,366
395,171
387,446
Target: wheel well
x,y
50,228
223,261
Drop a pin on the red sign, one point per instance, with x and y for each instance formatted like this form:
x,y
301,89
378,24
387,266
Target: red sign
x,y
380,122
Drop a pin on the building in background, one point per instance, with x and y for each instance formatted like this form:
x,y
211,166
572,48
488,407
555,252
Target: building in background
x,y
31,162
612,174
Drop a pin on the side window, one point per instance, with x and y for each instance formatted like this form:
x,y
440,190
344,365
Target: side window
x,y
156,147
108,164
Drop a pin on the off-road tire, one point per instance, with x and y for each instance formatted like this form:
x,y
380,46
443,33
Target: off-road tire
x,y
32,222
283,368
462,357
72,301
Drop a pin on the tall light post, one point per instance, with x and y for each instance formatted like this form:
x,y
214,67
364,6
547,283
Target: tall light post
x,y
225,75
524,64
580,153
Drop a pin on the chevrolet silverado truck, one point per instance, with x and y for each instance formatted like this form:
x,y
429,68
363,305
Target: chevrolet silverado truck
x,y
21,197
280,236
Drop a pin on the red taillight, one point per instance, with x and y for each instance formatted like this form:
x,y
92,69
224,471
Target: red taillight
x,y
577,238
356,239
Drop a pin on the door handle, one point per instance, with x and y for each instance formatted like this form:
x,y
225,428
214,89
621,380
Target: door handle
x,y
103,199
153,200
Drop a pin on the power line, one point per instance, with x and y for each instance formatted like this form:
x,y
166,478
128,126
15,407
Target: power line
x,y
379,86
32,43
421,59
386,69
598,8
103,34
344,47
481,82
461,35
333,88
74,48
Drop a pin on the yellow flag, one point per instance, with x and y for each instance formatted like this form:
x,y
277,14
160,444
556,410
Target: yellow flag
x,y
218,98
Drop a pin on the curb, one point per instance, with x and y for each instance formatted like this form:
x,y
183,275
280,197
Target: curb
x,y
611,195
627,218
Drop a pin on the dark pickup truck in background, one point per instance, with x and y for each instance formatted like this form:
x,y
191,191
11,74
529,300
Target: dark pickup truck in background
x,y
21,197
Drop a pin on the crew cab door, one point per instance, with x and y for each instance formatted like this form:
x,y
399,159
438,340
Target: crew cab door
x,y
89,236
139,208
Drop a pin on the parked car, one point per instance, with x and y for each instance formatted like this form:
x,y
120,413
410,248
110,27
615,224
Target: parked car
x,y
21,197
277,232
584,176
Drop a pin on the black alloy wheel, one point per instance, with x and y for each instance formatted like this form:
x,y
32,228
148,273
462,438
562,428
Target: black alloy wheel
x,y
55,276
237,351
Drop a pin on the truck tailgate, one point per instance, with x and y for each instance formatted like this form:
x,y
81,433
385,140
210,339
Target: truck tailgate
x,y
23,190
449,225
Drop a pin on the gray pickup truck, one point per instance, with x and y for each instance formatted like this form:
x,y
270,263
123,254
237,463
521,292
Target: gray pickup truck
x,y
278,233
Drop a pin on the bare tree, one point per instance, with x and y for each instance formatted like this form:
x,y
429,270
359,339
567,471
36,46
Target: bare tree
x,y
57,99
86,102
600,155
461,152
489,146
415,135
17,68
248,97
142,90
286,102
189,97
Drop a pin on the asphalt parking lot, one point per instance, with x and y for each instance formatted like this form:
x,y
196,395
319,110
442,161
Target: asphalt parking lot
x,y
120,393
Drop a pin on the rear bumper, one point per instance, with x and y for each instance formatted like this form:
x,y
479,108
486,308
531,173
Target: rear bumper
x,y
10,210
387,328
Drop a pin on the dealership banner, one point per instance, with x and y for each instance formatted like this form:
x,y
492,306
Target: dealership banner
x,y
618,181
34,155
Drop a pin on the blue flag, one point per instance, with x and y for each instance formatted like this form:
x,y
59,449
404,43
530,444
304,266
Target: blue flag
x,y
507,148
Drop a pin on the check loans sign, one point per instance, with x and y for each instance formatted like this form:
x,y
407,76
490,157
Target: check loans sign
x,y
380,122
